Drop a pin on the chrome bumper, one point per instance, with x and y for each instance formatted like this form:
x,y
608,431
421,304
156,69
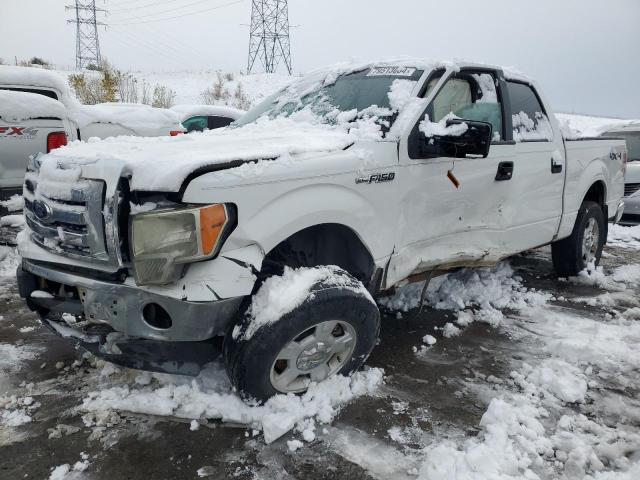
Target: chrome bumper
x,y
122,306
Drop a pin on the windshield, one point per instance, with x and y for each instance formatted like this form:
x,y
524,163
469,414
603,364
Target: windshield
x,y
356,95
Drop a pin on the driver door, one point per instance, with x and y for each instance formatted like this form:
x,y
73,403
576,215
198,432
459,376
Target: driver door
x,y
453,209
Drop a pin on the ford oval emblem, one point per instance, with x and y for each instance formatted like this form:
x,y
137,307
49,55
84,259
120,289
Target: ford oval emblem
x,y
41,210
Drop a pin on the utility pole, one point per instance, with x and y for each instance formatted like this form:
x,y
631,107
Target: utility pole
x,y
87,43
269,35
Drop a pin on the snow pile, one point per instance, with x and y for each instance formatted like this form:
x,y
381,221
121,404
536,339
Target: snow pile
x,y
441,129
487,290
280,295
12,221
13,204
15,411
401,93
210,396
67,472
19,106
527,129
9,261
624,237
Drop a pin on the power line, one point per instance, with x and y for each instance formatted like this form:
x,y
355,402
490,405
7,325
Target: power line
x,y
171,10
154,4
181,16
87,42
269,38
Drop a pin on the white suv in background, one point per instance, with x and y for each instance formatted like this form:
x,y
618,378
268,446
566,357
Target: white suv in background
x,y
631,133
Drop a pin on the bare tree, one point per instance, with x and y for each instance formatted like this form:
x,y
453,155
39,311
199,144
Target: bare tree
x,y
163,97
127,87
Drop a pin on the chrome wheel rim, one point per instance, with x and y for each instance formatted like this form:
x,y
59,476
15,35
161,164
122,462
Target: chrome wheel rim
x,y
313,355
590,241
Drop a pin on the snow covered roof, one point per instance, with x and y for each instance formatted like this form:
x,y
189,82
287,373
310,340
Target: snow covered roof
x,y
187,111
37,77
580,126
143,119
17,106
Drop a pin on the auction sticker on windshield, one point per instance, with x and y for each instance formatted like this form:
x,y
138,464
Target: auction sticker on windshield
x,y
395,71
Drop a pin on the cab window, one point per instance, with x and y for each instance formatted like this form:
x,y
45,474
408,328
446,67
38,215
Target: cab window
x,y
470,96
530,121
219,122
195,124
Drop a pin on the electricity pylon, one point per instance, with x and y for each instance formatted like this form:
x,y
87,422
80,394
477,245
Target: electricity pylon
x,y
269,35
87,43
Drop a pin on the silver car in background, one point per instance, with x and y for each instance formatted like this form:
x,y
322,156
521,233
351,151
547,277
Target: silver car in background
x,y
631,133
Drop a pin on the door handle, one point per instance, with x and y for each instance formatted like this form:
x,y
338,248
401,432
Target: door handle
x,y
555,167
505,171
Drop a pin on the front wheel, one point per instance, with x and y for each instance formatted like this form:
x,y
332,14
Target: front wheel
x,y
331,332
584,247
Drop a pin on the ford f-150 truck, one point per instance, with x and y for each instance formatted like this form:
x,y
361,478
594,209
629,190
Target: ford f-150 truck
x,y
29,124
269,240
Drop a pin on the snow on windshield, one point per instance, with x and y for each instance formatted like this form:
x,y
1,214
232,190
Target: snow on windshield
x,y
376,93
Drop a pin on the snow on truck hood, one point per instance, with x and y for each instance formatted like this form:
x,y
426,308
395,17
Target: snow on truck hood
x,y
163,163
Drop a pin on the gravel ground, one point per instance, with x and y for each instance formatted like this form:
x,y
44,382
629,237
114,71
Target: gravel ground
x,y
430,397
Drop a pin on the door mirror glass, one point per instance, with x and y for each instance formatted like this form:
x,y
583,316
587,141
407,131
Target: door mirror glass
x,y
455,138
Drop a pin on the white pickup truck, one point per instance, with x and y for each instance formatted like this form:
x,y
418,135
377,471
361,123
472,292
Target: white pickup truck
x,y
269,240
101,121
29,124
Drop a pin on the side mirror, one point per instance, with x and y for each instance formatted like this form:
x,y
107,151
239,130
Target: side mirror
x,y
474,141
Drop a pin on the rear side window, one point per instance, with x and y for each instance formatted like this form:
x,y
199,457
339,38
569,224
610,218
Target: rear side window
x,y
219,122
46,93
195,124
530,122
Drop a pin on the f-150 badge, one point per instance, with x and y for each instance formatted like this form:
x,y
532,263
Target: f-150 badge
x,y
377,178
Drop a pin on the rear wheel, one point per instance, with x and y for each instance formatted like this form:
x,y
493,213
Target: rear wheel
x,y
332,332
584,247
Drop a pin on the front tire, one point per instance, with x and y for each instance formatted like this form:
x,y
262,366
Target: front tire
x,y
332,332
584,247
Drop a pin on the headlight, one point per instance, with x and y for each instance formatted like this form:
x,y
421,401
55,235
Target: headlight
x,y
163,241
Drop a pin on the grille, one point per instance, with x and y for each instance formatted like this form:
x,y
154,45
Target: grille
x,y
73,226
631,188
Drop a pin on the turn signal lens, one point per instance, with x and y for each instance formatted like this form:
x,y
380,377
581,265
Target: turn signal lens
x,y
212,221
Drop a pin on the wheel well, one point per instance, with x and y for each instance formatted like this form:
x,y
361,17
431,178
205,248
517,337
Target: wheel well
x,y
596,194
326,244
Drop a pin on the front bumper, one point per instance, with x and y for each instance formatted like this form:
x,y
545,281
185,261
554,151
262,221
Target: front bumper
x,y
125,308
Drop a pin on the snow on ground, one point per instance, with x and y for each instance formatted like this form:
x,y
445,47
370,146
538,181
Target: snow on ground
x,y
210,396
189,85
13,204
624,237
559,413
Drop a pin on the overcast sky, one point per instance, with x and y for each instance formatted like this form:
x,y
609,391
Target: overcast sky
x,y
583,52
